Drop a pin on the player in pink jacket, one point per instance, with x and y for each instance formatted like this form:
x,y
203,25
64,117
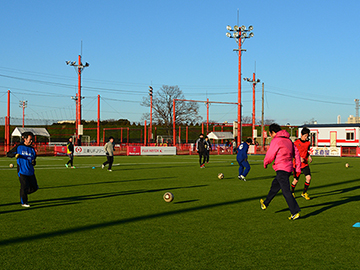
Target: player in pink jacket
x,y
283,151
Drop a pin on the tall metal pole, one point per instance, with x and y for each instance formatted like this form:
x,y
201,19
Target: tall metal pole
x,y
262,117
253,114
7,125
98,123
174,131
145,127
239,94
207,116
79,95
151,100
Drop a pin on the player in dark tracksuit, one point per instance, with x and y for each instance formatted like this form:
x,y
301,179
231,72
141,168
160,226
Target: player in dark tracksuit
x,y
200,148
70,153
241,157
26,160
208,149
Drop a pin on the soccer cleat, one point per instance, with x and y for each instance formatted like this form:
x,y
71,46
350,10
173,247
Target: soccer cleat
x,y
25,205
242,178
102,166
73,167
110,170
262,205
293,194
295,216
67,166
305,195
202,166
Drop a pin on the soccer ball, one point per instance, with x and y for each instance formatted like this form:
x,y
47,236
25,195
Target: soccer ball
x,y
347,165
11,165
168,197
220,175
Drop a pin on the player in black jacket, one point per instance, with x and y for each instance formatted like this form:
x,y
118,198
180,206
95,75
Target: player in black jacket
x,y
200,148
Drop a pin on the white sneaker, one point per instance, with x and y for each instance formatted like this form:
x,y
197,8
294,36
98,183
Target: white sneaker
x,y
110,170
242,178
25,205
102,166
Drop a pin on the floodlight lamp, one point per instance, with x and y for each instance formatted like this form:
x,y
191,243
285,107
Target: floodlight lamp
x,y
258,80
235,34
251,27
244,35
228,28
236,28
251,34
67,62
243,28
73,63
87,64
228,34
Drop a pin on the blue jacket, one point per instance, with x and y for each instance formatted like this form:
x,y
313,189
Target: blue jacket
x,y
25,160
242,151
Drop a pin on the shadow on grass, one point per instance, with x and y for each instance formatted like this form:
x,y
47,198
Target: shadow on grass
x,y
77,199
188,201
108,182
266,177
117,222
329,205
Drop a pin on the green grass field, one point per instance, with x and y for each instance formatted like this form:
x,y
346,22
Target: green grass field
x,y
88,218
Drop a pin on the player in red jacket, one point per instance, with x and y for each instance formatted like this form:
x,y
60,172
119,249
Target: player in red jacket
x,y
303,145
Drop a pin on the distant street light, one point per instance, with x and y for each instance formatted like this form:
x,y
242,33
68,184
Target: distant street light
x,y
23,105
254,82
239,34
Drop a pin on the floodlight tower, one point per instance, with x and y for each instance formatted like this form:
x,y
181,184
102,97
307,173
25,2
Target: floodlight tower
x,y
254,82
78,68
23,105
239,35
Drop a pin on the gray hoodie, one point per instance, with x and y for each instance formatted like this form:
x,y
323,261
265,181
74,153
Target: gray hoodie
x,y
109,148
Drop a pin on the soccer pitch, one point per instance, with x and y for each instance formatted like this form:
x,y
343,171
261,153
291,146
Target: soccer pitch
x,y
88,218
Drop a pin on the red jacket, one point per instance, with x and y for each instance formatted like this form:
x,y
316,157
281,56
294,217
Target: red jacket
x,y
283,151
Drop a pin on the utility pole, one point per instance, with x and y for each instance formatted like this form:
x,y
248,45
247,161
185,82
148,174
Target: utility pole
x,y
7,124
23,105
79,68
356,110
254,82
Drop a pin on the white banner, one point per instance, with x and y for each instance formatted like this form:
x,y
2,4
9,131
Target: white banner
x,y
325,151
155,151
89,151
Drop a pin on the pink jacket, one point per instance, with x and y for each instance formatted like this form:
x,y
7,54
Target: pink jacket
x,y
283,151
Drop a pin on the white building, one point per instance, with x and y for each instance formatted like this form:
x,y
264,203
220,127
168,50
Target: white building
x,y
333,135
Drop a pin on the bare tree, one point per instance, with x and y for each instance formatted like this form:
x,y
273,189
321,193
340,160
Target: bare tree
x,y
185,112
246,119
269,121
310,122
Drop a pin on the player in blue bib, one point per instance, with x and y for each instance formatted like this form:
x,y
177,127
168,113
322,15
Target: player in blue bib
x,y
241,157
26,160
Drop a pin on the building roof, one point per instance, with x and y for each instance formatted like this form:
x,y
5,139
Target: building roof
x,y
330,125
220,135
36,131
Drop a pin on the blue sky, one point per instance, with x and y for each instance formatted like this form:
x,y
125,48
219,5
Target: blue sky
x,y
305,52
